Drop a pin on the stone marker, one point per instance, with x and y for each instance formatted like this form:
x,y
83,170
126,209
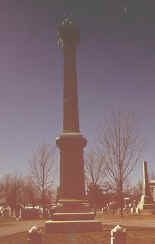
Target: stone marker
x,y
118,235
34,235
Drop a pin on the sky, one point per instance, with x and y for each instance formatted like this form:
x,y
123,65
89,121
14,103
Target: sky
x,y
115,72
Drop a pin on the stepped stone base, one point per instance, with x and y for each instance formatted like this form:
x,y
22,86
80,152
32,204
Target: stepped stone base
x,y
72,205
72,209
72,226
73,216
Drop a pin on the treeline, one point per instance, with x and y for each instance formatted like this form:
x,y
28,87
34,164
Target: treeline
x,y
35,188
110,164
108,167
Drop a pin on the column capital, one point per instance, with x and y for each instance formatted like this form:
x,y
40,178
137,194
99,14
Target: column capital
x,y
71,141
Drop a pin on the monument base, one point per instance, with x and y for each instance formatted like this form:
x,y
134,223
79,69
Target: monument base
x,y
73,216
72,209
72,205
72,226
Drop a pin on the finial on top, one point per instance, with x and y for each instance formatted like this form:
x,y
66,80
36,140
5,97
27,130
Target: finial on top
x,y
68,33
66,21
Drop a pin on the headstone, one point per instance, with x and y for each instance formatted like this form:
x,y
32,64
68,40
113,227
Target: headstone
x,y
34,235
118,235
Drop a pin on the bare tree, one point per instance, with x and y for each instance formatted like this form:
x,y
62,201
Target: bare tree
x,y
122,147
12,186
42,170
137,189
30,194
94,175
94,168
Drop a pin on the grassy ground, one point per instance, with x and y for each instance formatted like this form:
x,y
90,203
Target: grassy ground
x,y
136,235
126,217
6,221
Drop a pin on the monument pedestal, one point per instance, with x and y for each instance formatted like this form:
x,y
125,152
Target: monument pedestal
x,y
73,209
72,215
72,226
72,185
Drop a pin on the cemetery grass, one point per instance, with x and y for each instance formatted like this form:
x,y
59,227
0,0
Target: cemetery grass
x,y
7,221
125,217
134,235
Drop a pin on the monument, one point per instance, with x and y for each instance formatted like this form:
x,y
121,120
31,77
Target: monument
x,y
146,205
72,208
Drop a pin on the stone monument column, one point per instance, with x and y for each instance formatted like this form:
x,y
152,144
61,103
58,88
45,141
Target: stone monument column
x,y
72,213
70,142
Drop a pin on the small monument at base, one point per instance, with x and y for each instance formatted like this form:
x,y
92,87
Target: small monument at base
x,y
72,211
146,204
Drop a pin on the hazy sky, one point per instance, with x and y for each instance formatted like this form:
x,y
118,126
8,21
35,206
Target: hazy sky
x,y
115,66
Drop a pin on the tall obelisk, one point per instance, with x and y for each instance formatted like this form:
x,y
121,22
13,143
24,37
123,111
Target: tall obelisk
x,y
72,213
71,142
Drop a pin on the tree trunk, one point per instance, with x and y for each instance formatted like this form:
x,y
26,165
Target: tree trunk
x,y
121,199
